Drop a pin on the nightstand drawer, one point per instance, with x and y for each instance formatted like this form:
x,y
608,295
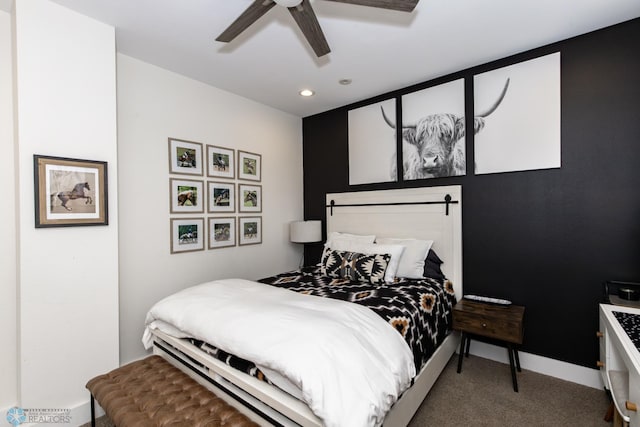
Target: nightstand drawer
x,y
488,327
492,321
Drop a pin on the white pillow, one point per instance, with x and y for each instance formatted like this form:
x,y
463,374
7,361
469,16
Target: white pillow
x,y
415,252
334,235
370,249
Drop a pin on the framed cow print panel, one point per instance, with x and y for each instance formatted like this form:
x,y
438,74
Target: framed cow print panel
x,y
433,132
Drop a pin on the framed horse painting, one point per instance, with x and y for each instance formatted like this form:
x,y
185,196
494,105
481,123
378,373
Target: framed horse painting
x,y
70,192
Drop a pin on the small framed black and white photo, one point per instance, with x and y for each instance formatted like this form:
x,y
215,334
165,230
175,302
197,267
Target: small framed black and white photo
x,y
249,166
185,157
249,198
250,230
187,235
220,162
187,196
222,196
222,232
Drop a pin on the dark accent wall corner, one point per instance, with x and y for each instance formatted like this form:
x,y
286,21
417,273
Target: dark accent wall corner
x,y
546,239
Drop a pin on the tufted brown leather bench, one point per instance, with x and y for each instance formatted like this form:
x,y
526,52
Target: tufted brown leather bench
x,y
152,392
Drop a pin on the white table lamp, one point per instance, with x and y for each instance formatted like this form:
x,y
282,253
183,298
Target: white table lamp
x,y
305,232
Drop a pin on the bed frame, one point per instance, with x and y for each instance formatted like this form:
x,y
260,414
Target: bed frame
x,y
433,213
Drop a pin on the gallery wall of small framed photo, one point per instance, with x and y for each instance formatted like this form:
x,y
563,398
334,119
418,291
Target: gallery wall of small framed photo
x,y
185,157
222,196
222,232
249,230
187,196
249,166
187,235
221,162
249,198
70,192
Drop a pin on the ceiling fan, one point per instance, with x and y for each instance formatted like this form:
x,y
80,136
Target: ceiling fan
x,y
305,18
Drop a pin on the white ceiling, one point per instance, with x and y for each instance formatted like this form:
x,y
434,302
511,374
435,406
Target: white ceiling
x,y
379,50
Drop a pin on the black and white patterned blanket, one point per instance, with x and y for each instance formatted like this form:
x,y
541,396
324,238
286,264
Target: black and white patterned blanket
x,y
230,359
420,310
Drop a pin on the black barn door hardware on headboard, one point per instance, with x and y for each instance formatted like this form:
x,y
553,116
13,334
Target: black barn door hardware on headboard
x,y
447,201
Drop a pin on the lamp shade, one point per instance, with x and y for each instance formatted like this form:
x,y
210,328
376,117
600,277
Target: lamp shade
x,y
305,231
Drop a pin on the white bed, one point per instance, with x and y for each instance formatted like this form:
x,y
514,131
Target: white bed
x,y
389,213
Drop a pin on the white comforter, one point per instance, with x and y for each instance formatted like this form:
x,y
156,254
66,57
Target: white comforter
x,y
350,364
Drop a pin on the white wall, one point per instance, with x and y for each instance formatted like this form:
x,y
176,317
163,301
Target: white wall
x,y
68,277
8,355
153,105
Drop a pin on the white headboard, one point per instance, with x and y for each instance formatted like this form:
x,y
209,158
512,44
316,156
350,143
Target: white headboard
x,y
383,214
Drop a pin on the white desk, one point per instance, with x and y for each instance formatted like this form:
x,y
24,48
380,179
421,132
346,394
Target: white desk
x,y
620,363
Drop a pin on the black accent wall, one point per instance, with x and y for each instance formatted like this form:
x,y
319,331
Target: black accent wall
x,y
545,239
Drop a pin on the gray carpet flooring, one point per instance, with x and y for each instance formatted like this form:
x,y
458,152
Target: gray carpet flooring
x,y
482,395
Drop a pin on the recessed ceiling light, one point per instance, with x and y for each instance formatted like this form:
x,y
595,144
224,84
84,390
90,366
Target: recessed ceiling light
x,y
306,92
344,81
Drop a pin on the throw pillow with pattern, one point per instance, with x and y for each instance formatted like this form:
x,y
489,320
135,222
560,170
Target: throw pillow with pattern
x,y
355,266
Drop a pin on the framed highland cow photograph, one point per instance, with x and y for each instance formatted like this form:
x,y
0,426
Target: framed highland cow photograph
x,y
525,95
220,162
249,166
185,157
433,124
222,232
187,196
69,192
187,235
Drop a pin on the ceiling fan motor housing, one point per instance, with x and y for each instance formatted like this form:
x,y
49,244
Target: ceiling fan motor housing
x,y
288,3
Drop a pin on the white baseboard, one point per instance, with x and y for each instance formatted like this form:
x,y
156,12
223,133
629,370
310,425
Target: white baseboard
x,y
81,414
542,365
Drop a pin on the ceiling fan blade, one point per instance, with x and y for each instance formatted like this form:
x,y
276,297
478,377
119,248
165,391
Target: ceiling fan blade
x,y
248,17
308,23
401,5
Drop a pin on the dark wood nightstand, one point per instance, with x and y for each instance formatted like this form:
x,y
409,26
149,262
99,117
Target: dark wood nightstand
x,y
499,322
